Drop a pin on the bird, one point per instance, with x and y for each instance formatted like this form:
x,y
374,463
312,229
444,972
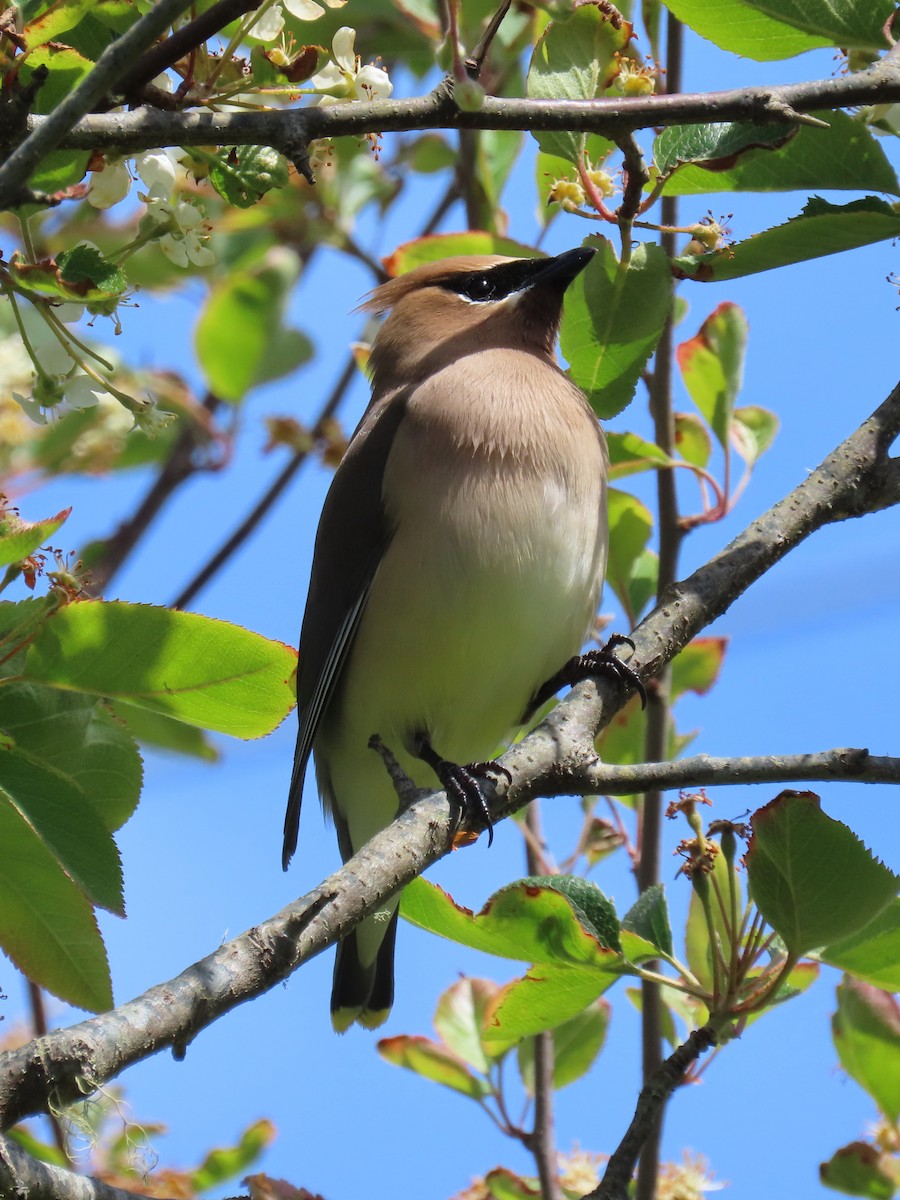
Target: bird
x,y
458,563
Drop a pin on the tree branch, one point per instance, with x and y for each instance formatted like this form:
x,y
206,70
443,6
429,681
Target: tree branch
x,y
68,1063
23,1176
651,1102
704,770
47,133
614,117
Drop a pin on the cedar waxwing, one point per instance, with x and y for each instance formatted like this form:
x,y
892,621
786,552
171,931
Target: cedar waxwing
x,y
458,562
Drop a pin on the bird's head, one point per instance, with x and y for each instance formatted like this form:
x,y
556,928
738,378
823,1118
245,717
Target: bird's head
x,y
444,310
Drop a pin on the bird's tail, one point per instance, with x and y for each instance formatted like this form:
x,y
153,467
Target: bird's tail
x,y
363,990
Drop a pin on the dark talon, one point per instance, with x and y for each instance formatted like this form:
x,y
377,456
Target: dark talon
x,y
603,660
462,785
585,666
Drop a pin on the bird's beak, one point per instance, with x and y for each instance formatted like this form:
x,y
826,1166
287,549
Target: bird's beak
x,y
561,270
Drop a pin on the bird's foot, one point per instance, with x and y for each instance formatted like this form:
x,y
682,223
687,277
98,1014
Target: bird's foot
x,y
464,784
604,662
588,666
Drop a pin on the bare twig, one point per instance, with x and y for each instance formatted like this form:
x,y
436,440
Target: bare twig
x,y
259,510
651,1102
181,42
542,1140
659,714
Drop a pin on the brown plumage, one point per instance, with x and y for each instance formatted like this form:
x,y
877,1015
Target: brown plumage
x,y
459,557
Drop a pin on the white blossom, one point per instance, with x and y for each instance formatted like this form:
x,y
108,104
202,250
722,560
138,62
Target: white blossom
x,y
268,26
156,171
109,185
346,77
186,232
80,391
307,10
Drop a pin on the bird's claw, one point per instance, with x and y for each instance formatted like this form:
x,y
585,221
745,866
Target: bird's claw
x,y
604,662
462,785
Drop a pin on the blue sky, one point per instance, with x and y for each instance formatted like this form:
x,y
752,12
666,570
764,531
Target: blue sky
x,y
812,659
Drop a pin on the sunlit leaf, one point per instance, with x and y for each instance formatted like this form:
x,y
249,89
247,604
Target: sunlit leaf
x,y
866,1032
812,878
204,672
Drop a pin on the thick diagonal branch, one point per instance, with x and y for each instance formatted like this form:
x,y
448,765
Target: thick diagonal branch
x,y
61,1067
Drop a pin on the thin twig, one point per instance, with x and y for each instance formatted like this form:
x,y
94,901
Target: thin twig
x,y
651,1102
659,714
181,42
259,510
542,1140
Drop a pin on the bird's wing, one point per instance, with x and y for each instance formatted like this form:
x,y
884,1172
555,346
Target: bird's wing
x,y
352,537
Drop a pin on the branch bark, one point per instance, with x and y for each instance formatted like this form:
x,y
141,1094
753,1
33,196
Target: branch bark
x,y
291,130
68,1063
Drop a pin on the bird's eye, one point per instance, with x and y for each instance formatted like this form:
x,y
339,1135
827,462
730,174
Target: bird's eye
x,y
479,287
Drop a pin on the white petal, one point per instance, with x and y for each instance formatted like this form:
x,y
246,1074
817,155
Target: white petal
x,y
83,392
372,83
199,254
69,313
156,171
110,185
329,78
174,250
304,10
342,48
269,25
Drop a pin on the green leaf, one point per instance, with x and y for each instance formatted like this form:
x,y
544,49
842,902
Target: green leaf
x,y
612,321
66,69
744,29
576,1045
448,245
843,155
873,953
648,917
529,921
860,1169
630,526
715,147
246,173
89,274
47,927
57,810
866,1032
643,583
77,736
696,668
433,1061
204,672
55,20
20,538
575,59
546,997
712,366
811,877
459,1020
165,733
753,431
239,325
228,1162
629,453
692,439
820,229
856,24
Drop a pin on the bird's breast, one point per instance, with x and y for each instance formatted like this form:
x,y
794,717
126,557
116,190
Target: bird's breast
x,y
496,495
